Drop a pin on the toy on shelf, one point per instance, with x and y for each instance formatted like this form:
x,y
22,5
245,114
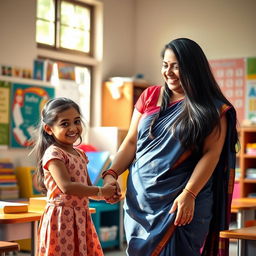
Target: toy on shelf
x,y
25,176
251,173
251,148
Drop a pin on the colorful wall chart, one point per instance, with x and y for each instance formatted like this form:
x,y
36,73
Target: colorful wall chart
x,y
230,75
27,102
251,68
4,112
251,89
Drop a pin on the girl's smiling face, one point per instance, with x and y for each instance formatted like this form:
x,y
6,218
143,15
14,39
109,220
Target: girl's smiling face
x,y
67,128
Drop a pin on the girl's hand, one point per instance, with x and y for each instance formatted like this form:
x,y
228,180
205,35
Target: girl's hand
x,y
185,206
109,179
108,190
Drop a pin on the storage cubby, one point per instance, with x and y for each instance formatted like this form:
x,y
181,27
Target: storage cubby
x,y
246,160
107,219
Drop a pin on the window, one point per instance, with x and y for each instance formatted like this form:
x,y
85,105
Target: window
x,y
71,32
64,25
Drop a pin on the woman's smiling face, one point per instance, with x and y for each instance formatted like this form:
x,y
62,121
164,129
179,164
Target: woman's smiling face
x,y
170,71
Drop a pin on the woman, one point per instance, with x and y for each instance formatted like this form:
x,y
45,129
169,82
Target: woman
x,y
180,151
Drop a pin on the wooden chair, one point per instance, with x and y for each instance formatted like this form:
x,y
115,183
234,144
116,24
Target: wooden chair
x,y
8,247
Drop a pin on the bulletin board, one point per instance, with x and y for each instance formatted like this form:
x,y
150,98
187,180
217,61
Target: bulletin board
x,y
27,102
4,112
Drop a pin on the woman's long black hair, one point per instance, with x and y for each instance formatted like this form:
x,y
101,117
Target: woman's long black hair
x,y
199,115
49,116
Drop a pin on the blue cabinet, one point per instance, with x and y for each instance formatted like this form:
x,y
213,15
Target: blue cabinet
x,y
107,215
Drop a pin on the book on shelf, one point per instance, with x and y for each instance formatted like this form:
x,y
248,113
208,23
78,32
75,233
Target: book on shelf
x,y
9,188
10,181
6,165
7,177
11,207
6,171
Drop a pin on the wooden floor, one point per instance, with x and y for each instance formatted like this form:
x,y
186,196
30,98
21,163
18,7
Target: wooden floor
x,y
232,251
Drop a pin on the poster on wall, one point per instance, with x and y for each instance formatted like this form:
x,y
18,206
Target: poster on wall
x,y
251,89
4,112
230,75
251,68
251,100
27,102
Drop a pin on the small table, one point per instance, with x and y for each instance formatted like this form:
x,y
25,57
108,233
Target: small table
x,y
18,226
245,208
246,238
8,247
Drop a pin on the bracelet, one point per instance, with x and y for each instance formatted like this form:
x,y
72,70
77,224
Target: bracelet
x,y
111,172
190,192
99,192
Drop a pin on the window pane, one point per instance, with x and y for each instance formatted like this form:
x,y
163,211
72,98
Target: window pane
x,y
45,32
45,9
75,16
75,39
83,16
67,14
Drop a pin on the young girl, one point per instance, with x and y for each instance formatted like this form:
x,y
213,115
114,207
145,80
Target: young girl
x,y
66,227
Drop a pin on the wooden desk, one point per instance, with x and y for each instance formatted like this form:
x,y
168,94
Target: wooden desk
x,y
246,238
20,226
245,209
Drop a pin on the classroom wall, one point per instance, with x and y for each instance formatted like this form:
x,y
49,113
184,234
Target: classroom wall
x,y
134,34
223,28
119,24
17,32
136,30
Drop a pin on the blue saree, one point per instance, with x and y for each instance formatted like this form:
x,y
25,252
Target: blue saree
x,y
157,176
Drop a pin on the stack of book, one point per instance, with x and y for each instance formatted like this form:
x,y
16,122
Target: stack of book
x,y
8,182
11,207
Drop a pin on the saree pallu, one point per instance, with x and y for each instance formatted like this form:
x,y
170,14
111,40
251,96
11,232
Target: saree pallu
x,y
157,176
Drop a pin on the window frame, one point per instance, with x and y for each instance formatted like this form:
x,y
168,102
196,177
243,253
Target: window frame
x,y
94,61
57,21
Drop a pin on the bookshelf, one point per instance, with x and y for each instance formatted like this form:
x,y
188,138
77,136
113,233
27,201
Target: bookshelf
x,y
246,160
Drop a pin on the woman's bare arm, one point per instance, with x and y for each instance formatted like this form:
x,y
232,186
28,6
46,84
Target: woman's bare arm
x,y
212,148
124,156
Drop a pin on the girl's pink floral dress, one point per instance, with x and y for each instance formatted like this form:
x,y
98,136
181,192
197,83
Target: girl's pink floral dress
x,y
66,227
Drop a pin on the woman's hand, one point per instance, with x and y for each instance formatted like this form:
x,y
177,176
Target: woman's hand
x,y
108,190
185,206
109,179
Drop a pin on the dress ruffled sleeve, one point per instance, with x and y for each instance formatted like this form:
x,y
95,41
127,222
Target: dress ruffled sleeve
x,y
52,153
